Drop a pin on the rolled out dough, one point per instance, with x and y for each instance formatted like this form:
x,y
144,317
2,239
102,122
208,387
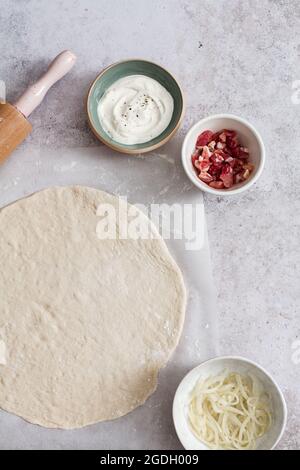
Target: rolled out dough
x,y
86,324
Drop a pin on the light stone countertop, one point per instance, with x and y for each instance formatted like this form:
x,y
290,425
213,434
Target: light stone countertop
x,y
237,56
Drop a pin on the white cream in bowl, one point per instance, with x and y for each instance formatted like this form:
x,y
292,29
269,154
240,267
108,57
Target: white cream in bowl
x,y
135,109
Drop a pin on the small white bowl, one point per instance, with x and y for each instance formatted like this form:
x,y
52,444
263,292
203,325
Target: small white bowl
x,y
248,137
213,367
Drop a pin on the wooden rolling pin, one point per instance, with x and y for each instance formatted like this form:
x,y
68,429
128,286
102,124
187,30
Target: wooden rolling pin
x,y
14,126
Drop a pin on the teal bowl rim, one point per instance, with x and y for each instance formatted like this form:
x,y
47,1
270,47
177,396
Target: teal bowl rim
x,y
123,148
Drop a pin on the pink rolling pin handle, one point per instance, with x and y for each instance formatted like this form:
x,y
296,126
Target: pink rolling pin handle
x,y
34,95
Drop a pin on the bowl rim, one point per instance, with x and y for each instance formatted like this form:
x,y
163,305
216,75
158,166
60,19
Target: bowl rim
x,y
223,192
175,410
120,148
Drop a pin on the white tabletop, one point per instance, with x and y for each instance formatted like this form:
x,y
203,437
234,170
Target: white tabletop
x,y
230,56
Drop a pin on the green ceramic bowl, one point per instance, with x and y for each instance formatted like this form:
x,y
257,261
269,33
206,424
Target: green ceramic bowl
x,y
134,67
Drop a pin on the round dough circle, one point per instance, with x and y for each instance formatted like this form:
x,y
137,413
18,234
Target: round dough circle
x,y
86,323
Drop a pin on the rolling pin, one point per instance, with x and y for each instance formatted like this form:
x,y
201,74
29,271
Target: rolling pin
x,y
14,126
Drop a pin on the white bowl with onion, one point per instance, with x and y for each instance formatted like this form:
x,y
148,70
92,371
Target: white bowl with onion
x,y
271,411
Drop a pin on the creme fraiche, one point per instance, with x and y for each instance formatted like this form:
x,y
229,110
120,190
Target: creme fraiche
x,y
135,109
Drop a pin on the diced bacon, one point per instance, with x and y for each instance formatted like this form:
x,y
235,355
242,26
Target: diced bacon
x,y
231,161
222,137
236,167
235,152
206,153
205,177
217,184
248,166
243,154
211,145
232,142
216,158
228,157
227,175
246,174
238,178
204,138
216,136
203,165
195,157
221,152
220,160
221,145
238,152
229,133
215,169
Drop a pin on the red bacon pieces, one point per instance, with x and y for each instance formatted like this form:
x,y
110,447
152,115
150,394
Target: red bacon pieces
x,y
216,184
206,153
204,138
220,160
205,176
227,175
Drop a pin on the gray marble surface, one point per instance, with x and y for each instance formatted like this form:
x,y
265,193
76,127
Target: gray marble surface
x,y
238,56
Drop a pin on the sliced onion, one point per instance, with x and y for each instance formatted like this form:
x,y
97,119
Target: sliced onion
x,y
229,411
